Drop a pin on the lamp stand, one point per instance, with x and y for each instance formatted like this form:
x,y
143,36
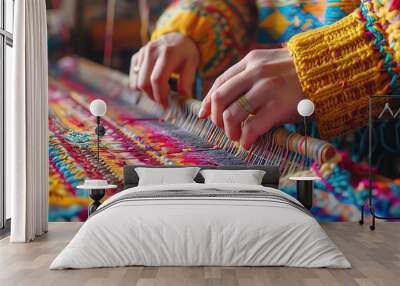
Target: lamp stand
x,y
305,184
100,132
305,143
96,195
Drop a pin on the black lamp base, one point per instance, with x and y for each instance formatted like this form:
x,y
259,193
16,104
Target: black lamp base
x,y
305,190
96,196
100,130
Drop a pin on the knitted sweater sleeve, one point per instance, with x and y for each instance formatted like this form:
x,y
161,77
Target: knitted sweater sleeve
x,y
340,65
221,29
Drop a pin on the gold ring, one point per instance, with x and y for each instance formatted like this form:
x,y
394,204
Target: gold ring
x,y
245,105
136,68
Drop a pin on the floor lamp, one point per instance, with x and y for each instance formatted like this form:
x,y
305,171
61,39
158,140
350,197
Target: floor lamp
x,y
97,188
305,108
98,108
305,184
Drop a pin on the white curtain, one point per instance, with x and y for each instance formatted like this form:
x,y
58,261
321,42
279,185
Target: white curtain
x,y
26,123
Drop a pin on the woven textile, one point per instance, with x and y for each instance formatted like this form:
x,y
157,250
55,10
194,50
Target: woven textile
x,y
135,137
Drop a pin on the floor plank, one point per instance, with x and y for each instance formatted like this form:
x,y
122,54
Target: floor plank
x,y
375,257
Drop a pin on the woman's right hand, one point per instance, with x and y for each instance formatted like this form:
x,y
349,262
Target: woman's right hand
x,y
153,65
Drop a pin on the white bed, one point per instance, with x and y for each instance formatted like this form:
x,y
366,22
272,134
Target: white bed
x,y
138,227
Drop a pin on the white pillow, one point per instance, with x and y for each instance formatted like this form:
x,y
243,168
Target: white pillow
x,y
166,176
247,177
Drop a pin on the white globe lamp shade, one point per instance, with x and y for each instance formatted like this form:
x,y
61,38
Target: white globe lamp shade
x,y
98,107
305,107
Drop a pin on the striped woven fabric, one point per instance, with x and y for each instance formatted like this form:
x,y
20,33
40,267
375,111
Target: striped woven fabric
x,y
136,136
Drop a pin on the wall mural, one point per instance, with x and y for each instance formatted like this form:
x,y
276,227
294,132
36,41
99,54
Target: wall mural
x,y
135,134
138,133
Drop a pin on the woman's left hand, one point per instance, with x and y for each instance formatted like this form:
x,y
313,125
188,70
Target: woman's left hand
x,y
269,83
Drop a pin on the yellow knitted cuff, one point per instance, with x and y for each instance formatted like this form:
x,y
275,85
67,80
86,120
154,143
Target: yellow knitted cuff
x,y
338,68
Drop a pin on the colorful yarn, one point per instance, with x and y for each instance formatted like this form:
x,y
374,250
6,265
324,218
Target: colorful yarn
x,y
279,21
376,30
134,137
349,182
65,214
223,31
130,139
217,26
344,76
337,9
343,189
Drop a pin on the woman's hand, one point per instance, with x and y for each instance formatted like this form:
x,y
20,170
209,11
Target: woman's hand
x,y
153,65
268,81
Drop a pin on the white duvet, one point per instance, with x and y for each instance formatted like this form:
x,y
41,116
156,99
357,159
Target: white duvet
x,y
200,231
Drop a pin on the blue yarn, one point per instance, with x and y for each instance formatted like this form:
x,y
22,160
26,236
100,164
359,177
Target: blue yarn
x,y
334,13
395,189
342,189
81,193
290,190
324,217
395,211
78,137
57,214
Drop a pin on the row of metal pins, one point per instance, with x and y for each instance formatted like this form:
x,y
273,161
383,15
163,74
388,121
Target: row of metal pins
x,y
264,152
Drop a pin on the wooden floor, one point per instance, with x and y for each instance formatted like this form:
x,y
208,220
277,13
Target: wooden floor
x,y
375,257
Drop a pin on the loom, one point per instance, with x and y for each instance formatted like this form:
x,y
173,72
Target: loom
x,y
140,132
277,147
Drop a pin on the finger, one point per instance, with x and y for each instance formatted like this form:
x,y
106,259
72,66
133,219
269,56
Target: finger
x,y
186,78
159,80
206,104
205,108
234,115
257,125
146,68
227,93
227,75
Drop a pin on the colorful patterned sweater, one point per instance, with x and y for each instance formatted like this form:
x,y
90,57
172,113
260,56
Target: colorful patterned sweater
x,y
344,50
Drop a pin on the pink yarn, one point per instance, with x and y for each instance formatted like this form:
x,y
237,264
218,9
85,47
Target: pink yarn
x,y
395,5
